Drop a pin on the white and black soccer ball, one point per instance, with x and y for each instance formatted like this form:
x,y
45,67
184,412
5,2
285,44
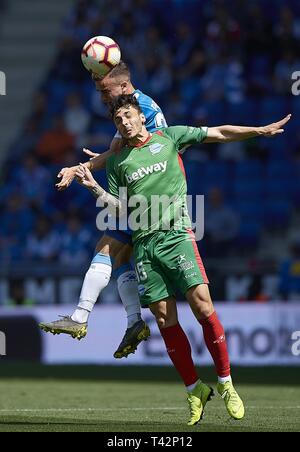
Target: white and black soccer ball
x,y
100,54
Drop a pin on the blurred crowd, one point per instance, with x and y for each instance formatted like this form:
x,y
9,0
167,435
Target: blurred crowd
x,y
206,63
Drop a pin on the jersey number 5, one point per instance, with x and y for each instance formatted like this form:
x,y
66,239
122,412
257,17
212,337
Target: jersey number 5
x,y
140,271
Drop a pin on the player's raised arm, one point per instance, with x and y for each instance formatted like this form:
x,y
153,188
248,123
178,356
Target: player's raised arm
x,y
96,163
223,134
85,178
68,174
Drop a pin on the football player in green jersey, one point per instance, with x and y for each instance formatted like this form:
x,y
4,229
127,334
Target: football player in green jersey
x,y
114,249
167,257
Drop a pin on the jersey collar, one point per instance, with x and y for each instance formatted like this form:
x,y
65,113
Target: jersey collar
x,y
144,142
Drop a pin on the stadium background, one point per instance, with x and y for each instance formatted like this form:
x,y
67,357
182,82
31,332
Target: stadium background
x,y
206,63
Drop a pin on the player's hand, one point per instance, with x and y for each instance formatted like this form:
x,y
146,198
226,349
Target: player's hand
x,y
275,128
91,154
67,176
84,176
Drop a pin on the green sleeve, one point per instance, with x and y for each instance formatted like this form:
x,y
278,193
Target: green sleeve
x,y
184,135
112,177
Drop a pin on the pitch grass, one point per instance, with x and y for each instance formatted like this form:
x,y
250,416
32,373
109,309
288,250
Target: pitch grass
x,y
131,399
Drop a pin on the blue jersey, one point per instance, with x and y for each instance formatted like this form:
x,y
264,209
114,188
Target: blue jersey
x,y
153,113
154,116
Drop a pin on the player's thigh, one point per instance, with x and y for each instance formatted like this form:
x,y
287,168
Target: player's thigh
x,y
165,312
200,301
153,284
123,257
181,261
112,244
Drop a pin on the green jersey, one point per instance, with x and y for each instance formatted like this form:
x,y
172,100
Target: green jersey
x,y
154,176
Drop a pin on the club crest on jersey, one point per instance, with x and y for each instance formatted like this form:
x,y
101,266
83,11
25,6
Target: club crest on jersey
x,y
156,148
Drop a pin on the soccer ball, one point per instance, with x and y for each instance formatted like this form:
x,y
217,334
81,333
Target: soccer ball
x,y
100,55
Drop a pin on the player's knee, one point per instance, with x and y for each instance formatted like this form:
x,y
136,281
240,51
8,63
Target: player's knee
x,y
200,302
161,322
204,309
166,321
165,313
160,316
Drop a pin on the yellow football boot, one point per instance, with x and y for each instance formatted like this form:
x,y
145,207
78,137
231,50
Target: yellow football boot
x,y
233,402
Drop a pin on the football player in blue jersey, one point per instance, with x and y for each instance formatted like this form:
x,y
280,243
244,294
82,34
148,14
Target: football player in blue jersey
x,y
114,250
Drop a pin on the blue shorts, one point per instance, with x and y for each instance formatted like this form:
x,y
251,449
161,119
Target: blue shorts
x,y
124,237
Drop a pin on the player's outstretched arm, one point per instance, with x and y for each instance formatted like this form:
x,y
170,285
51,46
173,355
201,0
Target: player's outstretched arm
x,y
67,175
96,163
223,134
85,178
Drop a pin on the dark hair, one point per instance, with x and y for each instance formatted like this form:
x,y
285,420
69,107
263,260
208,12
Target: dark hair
x,y
120,70
126,100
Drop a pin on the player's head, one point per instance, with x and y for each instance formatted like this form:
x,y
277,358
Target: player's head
x,y
114,84
127,115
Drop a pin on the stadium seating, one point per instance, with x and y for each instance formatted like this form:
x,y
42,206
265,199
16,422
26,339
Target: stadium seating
x,y
263,187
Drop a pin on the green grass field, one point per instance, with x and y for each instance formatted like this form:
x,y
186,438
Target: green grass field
x,y
134,399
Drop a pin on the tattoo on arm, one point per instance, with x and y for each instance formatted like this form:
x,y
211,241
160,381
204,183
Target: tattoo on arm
x,y
108,199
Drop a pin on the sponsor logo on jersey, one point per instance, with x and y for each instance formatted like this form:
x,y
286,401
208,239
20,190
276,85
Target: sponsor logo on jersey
x,y
160,167
156,148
